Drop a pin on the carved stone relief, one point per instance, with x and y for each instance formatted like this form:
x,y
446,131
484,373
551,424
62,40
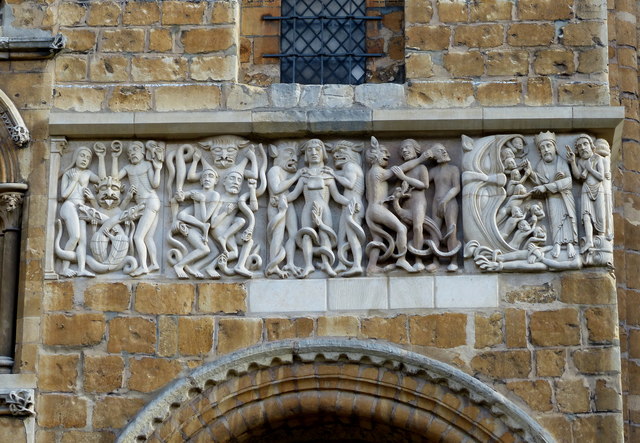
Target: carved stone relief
x,y
227,206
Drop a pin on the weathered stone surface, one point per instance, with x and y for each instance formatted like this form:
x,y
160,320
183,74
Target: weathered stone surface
x,y
67,411
71,68
583,94
285,95
337,96
115,412
164,298
555,328
195,335
226,298
539,92
12,429
183,13
103,13
428,38
584,34
587,288
602,324
383,95
488,330
608,396
505,93
73,330
537,394
598,428
245,97
544,9
597,360
130,98
158,69
58,296
283,328
160,40
197,41
463,64
503,364
419,11
491,10
58,372
132,334
442,331
544,293
572,395
223,13
418,65
440,94
342,326
168,336
451,12
87,437
80,40
107,297
214,68
554,61
479,36
392,329
79,99
71,14
187,97
103,373
592,61
550,362
105,68
149,374
516,328
122,40
236,333
141,13
531,34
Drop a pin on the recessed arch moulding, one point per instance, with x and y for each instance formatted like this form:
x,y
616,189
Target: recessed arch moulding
x,y
237,207
371,390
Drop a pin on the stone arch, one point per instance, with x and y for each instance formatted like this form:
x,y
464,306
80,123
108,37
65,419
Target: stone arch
x,y
13,134
350,390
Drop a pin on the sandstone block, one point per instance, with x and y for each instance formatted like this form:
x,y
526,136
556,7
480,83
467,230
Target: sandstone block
x,y
245,97
539,92
265,45
584,34
419,11
499,93
71,68
488,330
149,374
592,61
418,65
71,14
245,50
479,36
627,57
131,334
226,298
115,412
79,39
516,328
558,425
109,68
195,335
67,411
491,10
130,98
544,9
596,360
141,13
223,13
107,297
464,64
87,436
214,68
428,38
236,333
634,343
608,397
441,331
507,62
103,373
164,298
183,13
197,41
572,396
58,296
122,40
598,428
342,326
187,97
103,13
58,372
537,394
160,40
73,330
531,34
168,336
440,94
393,20
601,324
15,430
158,69
583,94
253,24
555,328
554,61
79,99
587,289
283,328
550,362
452,11
503,364
391,329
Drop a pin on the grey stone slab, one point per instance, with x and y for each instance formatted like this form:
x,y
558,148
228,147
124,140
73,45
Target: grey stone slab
x,y
279,123
285,95
191,124
97,124
270,296
594,117
527,119
382,95
436,121
358,293
345,121
466,291
411,292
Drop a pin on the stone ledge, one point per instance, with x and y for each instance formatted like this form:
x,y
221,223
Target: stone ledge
x,y
604,120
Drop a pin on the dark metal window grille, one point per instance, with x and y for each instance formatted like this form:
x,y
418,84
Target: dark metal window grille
x,y
323,41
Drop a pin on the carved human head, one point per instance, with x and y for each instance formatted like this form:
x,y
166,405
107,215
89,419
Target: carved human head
x,y
109,190
135,152
82,157
584,146
224,149
285,155
517,143
440,153
345,152
602,147
536,209
409,149
314,151
515,174
523,225
516,211
233,182
208,178
546,144
10,201
377,153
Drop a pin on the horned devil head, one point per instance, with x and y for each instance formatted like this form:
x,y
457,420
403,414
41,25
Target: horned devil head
x,y
109,190
224,149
